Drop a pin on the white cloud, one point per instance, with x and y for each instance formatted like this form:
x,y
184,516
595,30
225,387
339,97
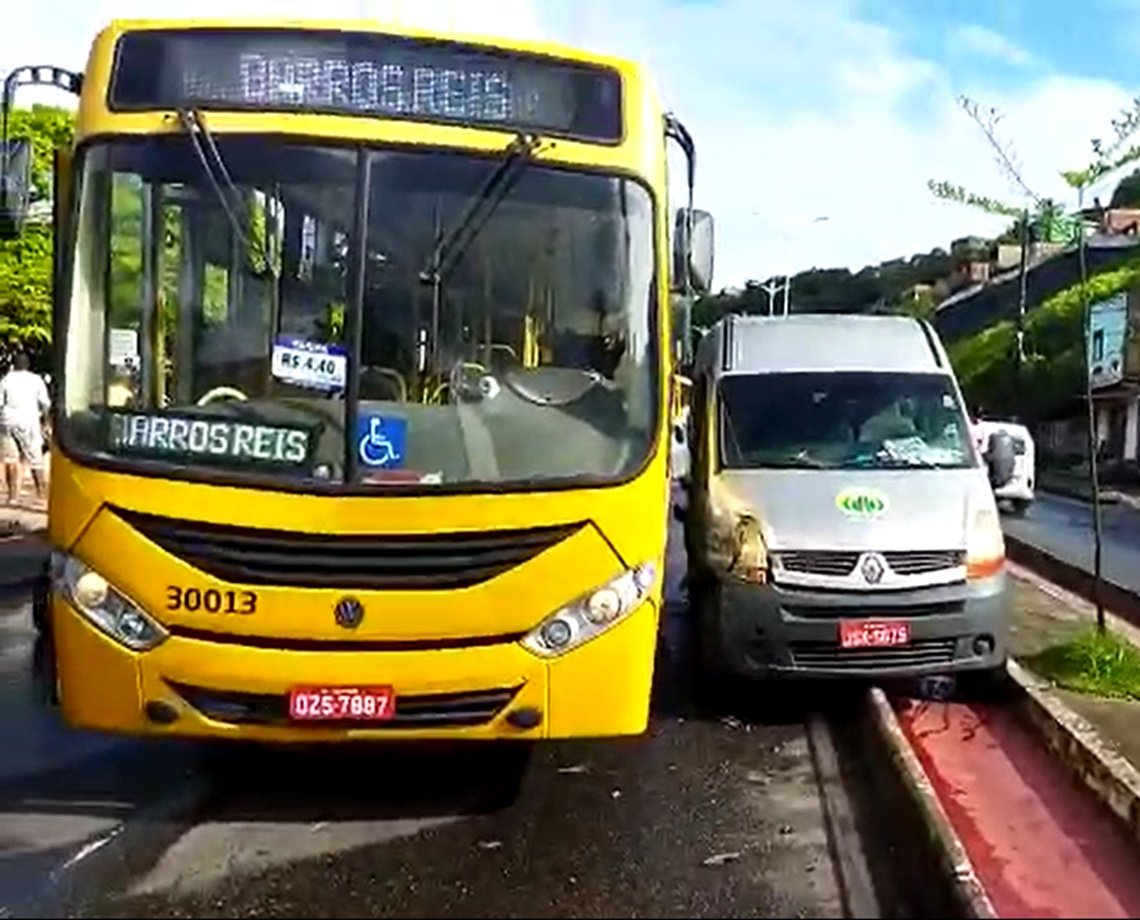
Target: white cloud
x,y
805,109
799,110
983,42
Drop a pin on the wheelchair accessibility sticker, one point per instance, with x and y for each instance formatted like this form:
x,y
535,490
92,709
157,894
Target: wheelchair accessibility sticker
x,y
381,442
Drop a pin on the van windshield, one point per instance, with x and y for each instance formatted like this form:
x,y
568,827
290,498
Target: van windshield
x,y
843,420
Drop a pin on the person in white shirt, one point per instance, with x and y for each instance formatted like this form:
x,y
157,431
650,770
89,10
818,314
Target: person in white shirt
x,y
23,407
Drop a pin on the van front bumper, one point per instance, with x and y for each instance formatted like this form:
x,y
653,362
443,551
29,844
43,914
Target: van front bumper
x,y
225,689
766,630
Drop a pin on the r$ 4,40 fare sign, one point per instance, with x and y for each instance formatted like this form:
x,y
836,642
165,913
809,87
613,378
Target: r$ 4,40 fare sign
x,y
310,364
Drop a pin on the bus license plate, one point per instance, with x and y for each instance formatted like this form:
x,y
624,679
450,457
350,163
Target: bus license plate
x,y
873,633
339,704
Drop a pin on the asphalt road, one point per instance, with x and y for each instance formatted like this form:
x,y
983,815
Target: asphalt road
x,y
766,810
1064,527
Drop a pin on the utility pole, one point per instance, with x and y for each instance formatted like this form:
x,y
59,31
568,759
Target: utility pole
x,y
1023,279
1093,441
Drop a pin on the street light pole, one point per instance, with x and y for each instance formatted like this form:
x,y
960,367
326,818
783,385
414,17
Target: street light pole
x,y
822,218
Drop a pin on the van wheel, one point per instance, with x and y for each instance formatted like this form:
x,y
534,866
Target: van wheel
x,y
1019,507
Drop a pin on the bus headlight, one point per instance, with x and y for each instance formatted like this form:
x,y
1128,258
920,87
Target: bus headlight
x,y
104,606
591,614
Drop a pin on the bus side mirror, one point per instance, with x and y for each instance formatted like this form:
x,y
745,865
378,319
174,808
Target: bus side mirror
x,y
693,254
15,186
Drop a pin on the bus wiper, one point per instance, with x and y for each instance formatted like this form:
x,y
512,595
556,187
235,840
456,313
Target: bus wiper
x,y
450,246
216,173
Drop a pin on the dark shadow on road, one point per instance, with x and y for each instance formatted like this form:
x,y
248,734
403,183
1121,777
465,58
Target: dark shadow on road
x,y
363,781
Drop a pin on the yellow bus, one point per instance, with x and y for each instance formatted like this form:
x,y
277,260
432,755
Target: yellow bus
x,y
365,356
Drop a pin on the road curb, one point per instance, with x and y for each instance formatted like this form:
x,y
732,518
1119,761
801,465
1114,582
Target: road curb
x,y
1077,744
1107,496
953,859
1074,578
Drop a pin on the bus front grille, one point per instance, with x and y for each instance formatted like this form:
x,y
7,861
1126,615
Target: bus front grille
x,y
254,556
435,710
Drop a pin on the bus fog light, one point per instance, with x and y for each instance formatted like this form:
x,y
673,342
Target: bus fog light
x,y
593,613
104,606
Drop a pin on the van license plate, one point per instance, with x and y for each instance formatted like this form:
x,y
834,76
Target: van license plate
x,y
873,633
336,704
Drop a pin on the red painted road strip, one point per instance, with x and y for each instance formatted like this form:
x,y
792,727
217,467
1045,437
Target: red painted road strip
x,y
1041,846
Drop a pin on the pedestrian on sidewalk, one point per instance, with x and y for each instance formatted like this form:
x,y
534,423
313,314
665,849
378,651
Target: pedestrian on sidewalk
x,y
24,405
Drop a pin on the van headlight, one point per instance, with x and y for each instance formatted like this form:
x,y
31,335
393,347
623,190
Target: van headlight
x,y
985,543
592,614
103,605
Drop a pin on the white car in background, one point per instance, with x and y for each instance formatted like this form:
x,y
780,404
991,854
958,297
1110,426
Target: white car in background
x,y
679,458
1018,493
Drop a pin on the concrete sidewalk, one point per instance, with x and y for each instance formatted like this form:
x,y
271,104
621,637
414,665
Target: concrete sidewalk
x,y
1046,615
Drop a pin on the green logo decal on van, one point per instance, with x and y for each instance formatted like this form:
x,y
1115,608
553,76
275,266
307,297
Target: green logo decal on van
x,y
861,503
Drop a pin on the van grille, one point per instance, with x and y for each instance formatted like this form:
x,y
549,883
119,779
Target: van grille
x,y
830,655
841,563
819,562
255,556
883,611
437,710
918,562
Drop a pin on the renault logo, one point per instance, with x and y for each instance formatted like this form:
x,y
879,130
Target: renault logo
x,y
349,612
873,568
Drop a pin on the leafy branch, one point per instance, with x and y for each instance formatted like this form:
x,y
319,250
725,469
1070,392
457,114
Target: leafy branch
x,y
948,191
987,121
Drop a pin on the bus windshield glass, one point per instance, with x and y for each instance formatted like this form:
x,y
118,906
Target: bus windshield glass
x,y
211,316
842,420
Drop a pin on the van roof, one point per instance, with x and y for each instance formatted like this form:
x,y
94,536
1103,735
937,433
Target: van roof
x,y
826,342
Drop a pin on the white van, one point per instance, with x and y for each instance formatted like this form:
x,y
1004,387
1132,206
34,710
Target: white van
x,y
839,521
1018,493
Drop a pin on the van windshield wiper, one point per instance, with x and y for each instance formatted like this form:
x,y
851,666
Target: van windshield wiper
x,y
451,246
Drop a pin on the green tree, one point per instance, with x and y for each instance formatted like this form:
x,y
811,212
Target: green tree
x,y
26,262
1127,191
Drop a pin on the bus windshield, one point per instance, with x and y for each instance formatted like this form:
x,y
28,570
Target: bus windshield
x,y
211,317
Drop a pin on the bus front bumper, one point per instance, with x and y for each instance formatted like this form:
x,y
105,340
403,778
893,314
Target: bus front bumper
x,y
188,687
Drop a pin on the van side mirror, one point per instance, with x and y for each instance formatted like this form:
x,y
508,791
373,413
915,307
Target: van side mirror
x,y
15,186
1000,458
693,248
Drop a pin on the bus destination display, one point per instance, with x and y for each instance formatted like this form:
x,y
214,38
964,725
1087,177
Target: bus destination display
x,y
353,73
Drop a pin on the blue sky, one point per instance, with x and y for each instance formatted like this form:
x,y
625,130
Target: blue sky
x,y
1014,39
805,109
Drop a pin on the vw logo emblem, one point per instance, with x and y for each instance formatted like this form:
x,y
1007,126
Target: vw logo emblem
x,y
873,569
349,612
